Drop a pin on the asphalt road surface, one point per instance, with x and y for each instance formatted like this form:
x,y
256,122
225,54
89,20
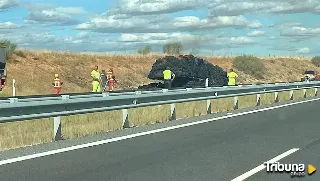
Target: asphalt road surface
x,y
214,151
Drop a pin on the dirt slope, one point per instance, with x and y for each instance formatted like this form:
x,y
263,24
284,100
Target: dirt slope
x,y
34,71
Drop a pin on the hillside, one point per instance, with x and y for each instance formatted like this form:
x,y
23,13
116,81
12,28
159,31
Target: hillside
x,y
34,71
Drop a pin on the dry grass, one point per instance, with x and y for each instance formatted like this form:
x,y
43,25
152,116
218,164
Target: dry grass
x,y
3,95
32,132
33,72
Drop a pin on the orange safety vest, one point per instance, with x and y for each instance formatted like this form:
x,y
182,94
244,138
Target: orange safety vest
x,y
57,83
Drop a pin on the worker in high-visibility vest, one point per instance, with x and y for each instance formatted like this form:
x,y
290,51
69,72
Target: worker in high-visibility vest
x,y
57,84
232,77
168,76
109,73
104,80
111,82
95,74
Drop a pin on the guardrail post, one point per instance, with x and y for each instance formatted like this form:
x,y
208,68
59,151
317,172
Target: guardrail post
x,y
276,97
315,91
57,128
236,102
304,93
13,88
258,100
125,114
207,82
291,95
173,115
125,118
209,104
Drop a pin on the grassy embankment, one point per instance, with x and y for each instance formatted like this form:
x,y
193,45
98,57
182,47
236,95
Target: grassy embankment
x,y
39,67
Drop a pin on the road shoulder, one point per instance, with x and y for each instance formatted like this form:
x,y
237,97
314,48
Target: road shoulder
x,y
19,152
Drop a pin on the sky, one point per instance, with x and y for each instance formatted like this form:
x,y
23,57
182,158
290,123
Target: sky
x,y
212,27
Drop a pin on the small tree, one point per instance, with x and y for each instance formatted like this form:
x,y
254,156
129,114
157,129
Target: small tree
x,y
145,50
250,65
172,48
316,61
10,47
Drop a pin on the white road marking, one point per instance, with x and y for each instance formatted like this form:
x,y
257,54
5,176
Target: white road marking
x,y
27,157
262,166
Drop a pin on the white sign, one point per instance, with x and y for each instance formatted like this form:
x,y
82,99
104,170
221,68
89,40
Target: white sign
x,y
294,169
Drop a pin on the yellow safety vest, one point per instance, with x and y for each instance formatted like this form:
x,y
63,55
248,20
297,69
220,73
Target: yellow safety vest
x,y
57,83
232,76
95,75
167,74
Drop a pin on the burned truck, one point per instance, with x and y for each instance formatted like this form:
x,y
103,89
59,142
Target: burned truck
x,y
3,62
189,71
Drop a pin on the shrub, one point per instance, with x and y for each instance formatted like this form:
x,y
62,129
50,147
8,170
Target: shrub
x,y
316,61
145,50
11,47
20,53
172,48
250,65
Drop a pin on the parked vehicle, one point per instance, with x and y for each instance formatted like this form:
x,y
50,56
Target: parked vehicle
x,y
3,71
310,75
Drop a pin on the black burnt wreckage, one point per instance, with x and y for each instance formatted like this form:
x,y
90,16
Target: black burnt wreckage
x,y
190,71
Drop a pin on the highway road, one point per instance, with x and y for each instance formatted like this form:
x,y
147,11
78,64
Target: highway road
x,y
219,150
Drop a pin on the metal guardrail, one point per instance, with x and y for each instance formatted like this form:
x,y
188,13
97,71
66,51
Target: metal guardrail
x,y
19,109
54,96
